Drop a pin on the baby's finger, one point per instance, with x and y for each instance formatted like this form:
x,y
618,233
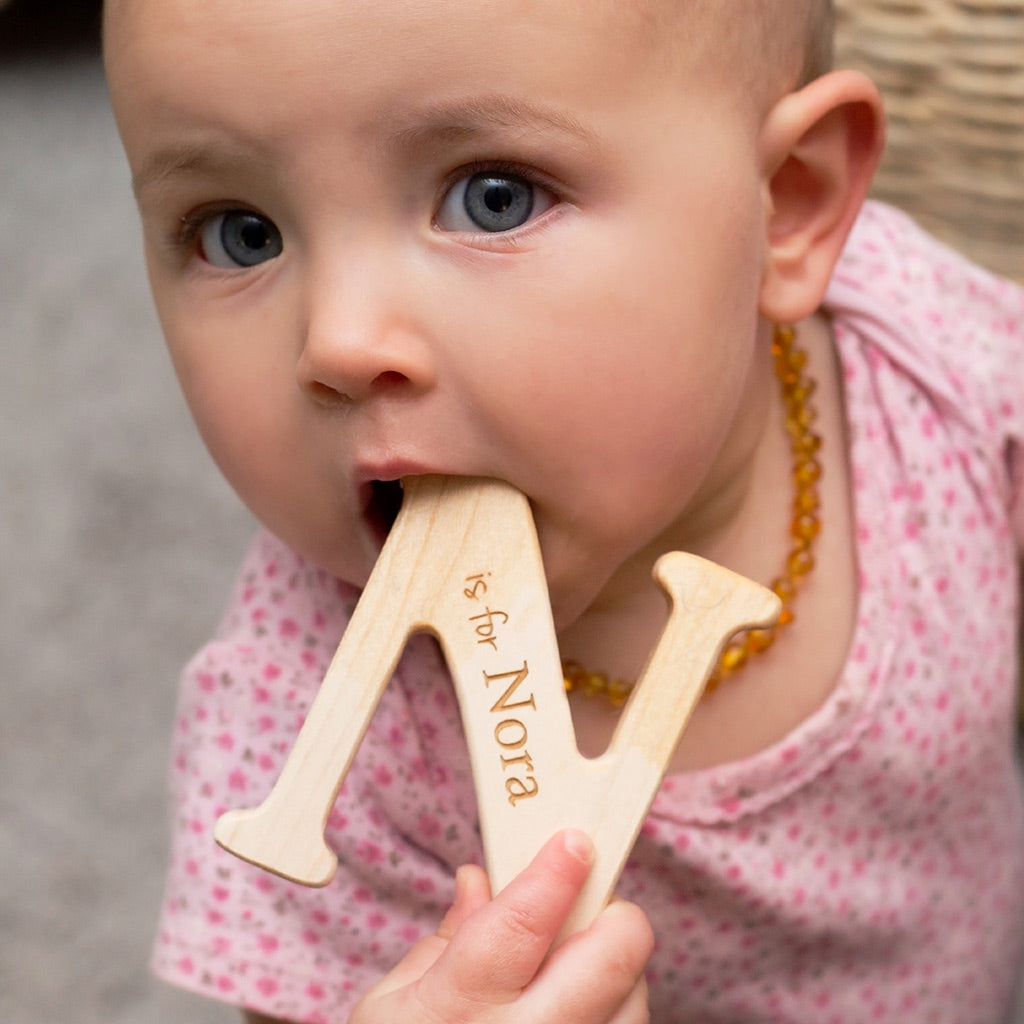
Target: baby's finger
x,y
498,950
472,891
598,974
635,1008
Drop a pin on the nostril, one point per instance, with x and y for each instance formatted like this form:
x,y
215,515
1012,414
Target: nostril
x,y
325,395
330,397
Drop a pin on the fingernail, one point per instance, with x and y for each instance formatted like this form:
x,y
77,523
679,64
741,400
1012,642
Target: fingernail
x,y
579,845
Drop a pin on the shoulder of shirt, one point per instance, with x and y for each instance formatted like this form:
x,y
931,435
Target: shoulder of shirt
x,y
894,255
954,326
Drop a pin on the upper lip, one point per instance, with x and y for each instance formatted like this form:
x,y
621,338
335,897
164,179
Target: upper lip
x,y
387,471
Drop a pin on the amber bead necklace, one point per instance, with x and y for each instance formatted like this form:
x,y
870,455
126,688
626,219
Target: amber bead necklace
x,y
797,388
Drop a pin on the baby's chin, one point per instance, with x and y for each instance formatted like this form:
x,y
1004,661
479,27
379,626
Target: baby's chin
x,y
570,595
352,566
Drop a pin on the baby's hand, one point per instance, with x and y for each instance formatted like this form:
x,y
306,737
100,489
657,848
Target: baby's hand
x,y
488,962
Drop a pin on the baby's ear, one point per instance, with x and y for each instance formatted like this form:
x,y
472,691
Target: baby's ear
x,y
820,147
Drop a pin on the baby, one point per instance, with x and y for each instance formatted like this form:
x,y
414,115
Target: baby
x,y
605,252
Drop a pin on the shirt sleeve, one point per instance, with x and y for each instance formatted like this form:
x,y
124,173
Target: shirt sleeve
x,y
404,820
954,326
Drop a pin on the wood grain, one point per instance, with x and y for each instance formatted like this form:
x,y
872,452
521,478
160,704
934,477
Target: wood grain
x,y
463,562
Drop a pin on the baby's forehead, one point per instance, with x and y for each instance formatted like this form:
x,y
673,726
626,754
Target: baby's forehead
x,y
745,43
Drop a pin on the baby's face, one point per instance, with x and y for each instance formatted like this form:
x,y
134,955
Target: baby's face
x,y
475,238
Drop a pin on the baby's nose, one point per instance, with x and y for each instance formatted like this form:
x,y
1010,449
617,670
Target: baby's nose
x,y
357,346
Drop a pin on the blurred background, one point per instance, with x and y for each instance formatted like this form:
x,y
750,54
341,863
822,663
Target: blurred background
x,y
952,74
118,541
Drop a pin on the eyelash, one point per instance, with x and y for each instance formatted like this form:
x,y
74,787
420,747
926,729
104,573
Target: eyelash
x,y
185,242
190,225
529,174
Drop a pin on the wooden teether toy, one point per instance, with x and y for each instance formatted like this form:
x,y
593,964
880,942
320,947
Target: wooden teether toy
x,y
462,562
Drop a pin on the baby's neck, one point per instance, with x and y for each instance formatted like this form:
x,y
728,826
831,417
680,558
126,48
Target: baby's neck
x,y
738,518
789,681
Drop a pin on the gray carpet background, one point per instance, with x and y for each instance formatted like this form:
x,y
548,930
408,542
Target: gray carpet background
x,y
118,542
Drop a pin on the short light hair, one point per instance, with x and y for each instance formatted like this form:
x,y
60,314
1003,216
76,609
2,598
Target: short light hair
x,y
788,39
765,47
817,28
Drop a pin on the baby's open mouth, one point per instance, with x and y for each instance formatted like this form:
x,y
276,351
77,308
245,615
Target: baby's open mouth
x,y
384,505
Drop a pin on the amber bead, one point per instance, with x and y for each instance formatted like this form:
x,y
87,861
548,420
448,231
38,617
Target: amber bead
x,y
759,640
806,502
733,658
799,564
619,691
807,472
805,529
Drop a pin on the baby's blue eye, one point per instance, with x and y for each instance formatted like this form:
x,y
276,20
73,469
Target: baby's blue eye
x,y
239,238
491,201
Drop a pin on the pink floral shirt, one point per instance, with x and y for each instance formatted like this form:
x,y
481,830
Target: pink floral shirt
x,y
870,867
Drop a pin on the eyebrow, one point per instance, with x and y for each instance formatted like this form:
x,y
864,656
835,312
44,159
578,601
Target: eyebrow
x,y
486,115
182,158
461,120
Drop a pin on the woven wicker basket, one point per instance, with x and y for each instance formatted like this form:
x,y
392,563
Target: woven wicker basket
x,y
952,73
